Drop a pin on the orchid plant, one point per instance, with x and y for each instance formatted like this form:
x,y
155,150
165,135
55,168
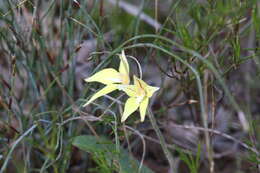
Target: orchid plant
x,y
139,92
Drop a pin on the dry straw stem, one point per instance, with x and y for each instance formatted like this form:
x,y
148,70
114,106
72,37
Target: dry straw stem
x,y
205,120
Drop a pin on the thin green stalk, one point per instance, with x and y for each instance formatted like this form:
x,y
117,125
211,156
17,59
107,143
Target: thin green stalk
x,y
162,142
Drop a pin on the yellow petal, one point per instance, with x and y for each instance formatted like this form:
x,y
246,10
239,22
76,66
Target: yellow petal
x,y
131,105
137,82
107,89
147,88
130,90
124,66
143,107
106,76
150,90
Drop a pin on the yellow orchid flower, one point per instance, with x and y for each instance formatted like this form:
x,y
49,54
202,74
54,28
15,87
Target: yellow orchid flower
x,y
111,78
139,94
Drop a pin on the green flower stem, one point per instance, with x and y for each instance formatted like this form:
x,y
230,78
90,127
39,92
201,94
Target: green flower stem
x,y
162,141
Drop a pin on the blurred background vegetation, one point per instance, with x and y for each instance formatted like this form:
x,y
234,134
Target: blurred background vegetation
x,y
203,54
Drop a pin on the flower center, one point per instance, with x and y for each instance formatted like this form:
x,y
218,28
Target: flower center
x,y
140,94
125,79
139,99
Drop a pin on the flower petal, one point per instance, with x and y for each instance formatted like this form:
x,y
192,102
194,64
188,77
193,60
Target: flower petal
x,y
131,105
107,89
143,107
106,76
137,82
130,90
124,66
151,90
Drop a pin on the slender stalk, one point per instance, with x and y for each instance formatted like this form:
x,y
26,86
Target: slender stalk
x,y
162,141
205,123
